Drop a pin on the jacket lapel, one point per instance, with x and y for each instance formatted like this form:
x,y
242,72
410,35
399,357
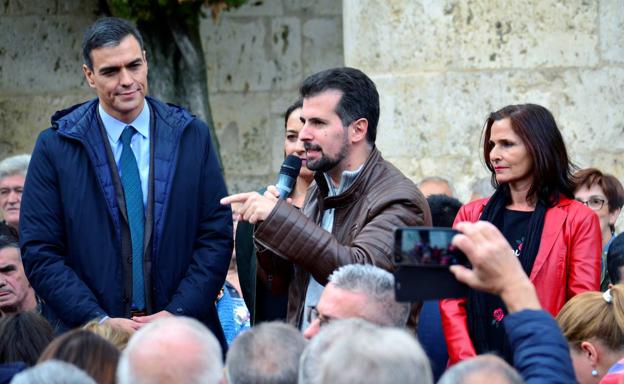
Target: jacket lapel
x,y
87,130
553,226
167,133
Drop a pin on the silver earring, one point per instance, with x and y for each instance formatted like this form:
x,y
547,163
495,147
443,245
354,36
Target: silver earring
x,y
594,372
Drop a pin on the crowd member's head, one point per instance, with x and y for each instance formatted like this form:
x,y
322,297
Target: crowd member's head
x,y
16,294
267,353
53,372
615,260
116,336
12,176
87,351
604,194
105,44
340,113
481,188
443,210
358,290
23,337
435,185
593,324
522,145
309,372
481,369
172,350
375,355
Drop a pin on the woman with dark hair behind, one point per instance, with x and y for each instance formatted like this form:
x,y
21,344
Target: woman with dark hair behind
x,y
23,337
604,194
556,238
86,350
265,284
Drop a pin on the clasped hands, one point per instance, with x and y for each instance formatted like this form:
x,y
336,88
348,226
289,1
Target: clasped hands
x,y
252,206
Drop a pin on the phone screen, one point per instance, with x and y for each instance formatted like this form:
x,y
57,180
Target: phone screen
x,y
421,246
422,257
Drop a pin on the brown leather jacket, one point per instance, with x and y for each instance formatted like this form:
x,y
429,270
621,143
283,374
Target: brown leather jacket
x,y
380,199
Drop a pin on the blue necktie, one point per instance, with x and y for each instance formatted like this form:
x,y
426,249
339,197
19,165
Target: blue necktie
x,y
131,182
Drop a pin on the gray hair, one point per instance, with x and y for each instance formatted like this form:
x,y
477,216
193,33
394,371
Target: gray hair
x,y
310,361
378,286
14,165
53,372
377,355
469,371
266,354
171,349
436,179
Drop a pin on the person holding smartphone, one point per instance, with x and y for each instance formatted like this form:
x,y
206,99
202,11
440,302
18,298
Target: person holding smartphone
x,y
556,239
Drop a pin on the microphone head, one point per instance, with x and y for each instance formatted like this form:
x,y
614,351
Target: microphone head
x,y
291,166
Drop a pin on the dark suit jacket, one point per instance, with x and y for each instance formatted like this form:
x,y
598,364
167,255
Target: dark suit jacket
x,y
70,225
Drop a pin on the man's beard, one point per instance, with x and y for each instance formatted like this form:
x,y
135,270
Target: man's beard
x,y
326,163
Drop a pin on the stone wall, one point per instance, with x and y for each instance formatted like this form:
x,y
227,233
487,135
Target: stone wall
x,y
257,56
39,66
442,66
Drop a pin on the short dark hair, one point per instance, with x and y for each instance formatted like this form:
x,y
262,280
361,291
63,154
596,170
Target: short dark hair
x,y
8,242
615,259
443,210
293,107
536,127
107,32
23,336
359,95
610,185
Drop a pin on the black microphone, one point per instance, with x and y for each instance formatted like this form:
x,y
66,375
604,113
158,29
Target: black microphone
x,y
288,176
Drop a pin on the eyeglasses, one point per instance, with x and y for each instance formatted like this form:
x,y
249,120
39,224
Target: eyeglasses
x,y
595,203
313,314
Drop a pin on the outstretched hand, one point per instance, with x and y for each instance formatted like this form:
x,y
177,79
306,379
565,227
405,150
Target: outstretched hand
x,y
252,206
495,267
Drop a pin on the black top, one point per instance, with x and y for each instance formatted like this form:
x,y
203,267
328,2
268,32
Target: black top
x,y
514,227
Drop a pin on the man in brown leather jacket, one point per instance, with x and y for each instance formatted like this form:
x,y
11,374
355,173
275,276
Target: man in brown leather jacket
x,y
350,213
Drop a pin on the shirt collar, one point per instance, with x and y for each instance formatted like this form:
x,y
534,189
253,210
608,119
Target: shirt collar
x,y
346,179
114,127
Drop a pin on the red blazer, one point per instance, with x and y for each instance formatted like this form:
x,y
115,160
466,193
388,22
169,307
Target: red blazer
x,y
567,263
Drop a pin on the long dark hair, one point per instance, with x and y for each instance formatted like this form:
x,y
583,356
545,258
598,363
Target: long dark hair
x,y
536,127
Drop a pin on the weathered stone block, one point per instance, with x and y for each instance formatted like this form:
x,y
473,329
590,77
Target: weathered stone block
x,y
286,53
322,38
28,7
612,30
314,7
77,7
236,54
242,122
42,55
407,36
257,8
251,56
22,117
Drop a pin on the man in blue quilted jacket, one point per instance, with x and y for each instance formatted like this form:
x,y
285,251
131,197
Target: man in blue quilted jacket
x,y
121,218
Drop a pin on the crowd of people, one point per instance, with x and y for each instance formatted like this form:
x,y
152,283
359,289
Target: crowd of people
x,y
117,235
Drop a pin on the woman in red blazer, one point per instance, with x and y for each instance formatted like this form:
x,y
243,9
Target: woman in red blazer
x,y
556,238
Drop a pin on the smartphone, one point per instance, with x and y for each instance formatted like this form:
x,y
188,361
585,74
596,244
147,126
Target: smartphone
x,y
422,256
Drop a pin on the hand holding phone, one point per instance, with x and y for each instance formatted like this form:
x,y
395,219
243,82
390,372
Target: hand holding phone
x,y
423,257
